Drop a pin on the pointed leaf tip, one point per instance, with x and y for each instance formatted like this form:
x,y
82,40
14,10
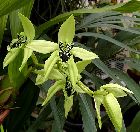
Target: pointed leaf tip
x,y
27,26
67,31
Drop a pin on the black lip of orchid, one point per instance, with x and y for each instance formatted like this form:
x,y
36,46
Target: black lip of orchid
x,y
64,52
21,40
68,87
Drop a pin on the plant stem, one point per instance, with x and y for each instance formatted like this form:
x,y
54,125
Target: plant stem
x,y
35,61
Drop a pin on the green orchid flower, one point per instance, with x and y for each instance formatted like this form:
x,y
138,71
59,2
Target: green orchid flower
x,y
62,52
62,68
21,43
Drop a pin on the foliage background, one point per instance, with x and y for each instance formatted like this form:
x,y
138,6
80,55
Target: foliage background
x,y
104,32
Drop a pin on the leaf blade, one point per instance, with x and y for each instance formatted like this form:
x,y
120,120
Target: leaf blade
x,y
43,46
113,110
83,54
52,90
65,35
27,26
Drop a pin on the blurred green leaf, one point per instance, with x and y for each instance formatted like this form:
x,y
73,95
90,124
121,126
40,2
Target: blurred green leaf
x,y
40,29
106,70
129,7
1,128
87,111
107,38
57,116
26,102
135,125
130,83
82,64
3,20
17,78
133,63
6,6
4,95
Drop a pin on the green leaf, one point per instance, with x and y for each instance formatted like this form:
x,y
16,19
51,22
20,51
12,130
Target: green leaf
x,y
110,26
98,35
56,75
130,83
106,70
58,117
28,27
27,54
82,64
135,125
84,88
111,85
133,63
3,21
67,31
113,110
87,111
23,107
11,56
98,99
83,54
4,95
49,63
43,46
98,81
52,90
8,6
1,128
129,7
17,78
73,71
78,89
15,24
39,79
116,92
40,29
68,104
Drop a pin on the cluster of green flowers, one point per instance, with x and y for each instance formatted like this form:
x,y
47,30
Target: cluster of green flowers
x,y
62,68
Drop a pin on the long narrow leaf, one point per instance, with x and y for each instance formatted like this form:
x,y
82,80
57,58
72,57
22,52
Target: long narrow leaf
x,y
15,23
62,17
56,115
131,84
3,21
107,38
88,115
115,27
6,6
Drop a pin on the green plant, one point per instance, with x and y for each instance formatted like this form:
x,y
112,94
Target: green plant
x,y
26,60
61,67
